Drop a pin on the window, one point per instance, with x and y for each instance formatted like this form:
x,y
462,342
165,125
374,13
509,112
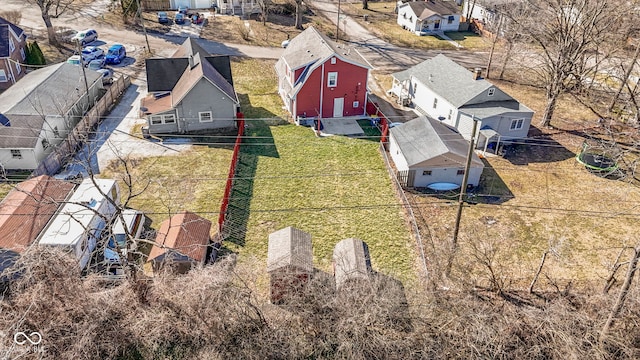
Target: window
x,y
24,56
332,79
45,143
12,46
205,116
356,104
156,120
460,172
435,103
450,19
415,88
333,60
491,91
516,124
18,68
3,76
450,114
169,119
16,154
426,173
56,133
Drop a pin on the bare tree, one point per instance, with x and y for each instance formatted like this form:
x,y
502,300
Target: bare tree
x,y
52,9
299,9
265,6
574,39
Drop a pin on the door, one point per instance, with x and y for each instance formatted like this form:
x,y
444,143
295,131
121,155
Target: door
x,y
338,107
436,25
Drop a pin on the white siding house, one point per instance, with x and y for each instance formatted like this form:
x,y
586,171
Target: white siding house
x,y
78,224
429,152
426,17
444,90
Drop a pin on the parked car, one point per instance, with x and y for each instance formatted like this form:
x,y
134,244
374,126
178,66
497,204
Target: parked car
x,y
96,64
75,60
86,36
179,19
116,54
183,9
107,75
91,52
163,18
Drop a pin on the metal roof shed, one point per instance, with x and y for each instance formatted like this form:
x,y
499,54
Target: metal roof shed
x,y
289,263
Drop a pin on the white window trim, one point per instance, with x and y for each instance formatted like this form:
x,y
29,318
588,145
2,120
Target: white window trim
x,y
18,67
3,76
333,60
516,124
356,104
332,79
22,53
16,154
169,119
12,46
155,119
200,116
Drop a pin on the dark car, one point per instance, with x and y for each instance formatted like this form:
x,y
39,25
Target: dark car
x,y
179,19
163,18
116,54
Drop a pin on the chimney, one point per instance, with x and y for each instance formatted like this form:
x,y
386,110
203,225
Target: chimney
x,y
477,74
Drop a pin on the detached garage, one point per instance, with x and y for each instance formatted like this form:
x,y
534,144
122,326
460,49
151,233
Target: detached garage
x,y
425,152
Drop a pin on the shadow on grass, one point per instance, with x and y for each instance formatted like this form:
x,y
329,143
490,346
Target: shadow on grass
x,y
257,141
537,148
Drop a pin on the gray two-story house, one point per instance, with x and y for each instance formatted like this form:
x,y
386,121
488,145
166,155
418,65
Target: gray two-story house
x,y
444,90
190,92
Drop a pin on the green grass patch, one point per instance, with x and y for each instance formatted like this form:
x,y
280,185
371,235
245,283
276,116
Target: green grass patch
x,y
470,40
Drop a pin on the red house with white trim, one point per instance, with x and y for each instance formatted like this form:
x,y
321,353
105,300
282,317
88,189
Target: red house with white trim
x,y
319,78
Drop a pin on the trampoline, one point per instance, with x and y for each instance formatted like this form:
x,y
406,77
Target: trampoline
x,y
595,161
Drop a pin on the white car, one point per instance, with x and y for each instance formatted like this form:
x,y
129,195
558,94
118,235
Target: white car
x,y
85,37
91,52
74,59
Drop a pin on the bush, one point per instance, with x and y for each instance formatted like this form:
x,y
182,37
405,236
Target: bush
x,y
34,54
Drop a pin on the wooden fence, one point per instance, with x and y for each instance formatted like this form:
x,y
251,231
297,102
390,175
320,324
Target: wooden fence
x,y
154,5
80,133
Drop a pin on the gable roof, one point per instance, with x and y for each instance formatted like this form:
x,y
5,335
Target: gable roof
x,y
312,47
351,260
428,8
185,233
23,131
448,79
289,247
27,209
5,32
193,74
423,139
51,90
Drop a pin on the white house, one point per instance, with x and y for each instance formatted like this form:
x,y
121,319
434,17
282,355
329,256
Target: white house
x,y
486,11
426,17
38,112
444,90
426,151
79,223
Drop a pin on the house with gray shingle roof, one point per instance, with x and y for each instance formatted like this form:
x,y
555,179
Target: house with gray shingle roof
x,y
426,151
13,45
427,17
351,262
289,262
444,90
38,112
319,78
192,91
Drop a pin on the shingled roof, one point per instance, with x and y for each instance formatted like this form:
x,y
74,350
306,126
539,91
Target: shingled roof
x,y
351,260
289,247
27,209
423,139
5,32
185,233
428,8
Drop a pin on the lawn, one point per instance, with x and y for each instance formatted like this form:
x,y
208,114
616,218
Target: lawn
x,y
332,188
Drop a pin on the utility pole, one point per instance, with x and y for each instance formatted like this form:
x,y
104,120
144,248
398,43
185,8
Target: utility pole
x,y
144,28
338,23
463,190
